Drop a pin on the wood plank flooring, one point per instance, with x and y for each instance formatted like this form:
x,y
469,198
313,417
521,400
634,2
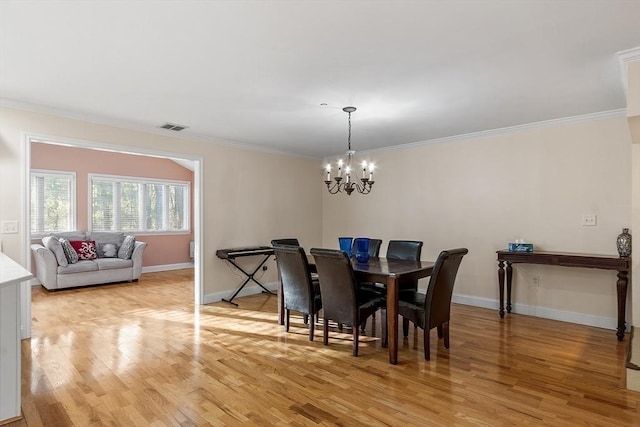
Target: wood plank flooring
x,y
139,354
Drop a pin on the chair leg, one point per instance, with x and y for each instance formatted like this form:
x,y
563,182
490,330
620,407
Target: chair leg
x,y
405,327
311,328
364,325
325,338
286,320
439,331
427,344
356,334
445,327
306,319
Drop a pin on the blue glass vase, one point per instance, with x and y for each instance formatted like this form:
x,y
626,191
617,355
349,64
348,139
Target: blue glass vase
x,y
345,245
362,249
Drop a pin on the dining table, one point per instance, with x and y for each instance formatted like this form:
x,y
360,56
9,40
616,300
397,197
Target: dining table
x,y
388,272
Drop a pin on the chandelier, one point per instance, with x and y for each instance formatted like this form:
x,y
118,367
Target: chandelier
x,y
350,181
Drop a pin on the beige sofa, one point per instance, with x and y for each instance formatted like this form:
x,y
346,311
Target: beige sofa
x,y
54,274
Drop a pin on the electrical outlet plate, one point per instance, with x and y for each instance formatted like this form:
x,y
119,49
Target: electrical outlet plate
x,y
589,220
9,227
535,281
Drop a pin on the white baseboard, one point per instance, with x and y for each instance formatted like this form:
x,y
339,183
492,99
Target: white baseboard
x,y
247,290
546,313
166,267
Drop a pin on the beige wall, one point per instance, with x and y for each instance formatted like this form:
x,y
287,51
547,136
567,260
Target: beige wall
x,y
250,197
482,193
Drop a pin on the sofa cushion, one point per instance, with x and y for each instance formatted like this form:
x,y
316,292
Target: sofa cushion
x,y
126,250
70,235
107,250
69,252
78,267
86,249
53,244
113,263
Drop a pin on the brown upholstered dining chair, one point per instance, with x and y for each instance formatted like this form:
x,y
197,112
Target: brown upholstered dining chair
x,y
433,309
374,247
342,300
287,241
298,290
408,250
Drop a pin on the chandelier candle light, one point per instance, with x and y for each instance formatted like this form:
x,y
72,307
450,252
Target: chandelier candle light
x,y
364,186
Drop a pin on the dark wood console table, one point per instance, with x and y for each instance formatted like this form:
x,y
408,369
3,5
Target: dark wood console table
x,y
605,262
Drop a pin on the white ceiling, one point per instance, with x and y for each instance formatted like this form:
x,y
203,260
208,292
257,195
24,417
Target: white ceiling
x,y
256,72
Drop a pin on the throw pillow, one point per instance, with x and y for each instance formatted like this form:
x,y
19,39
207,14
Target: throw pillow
x,y
69,252
86,249
107,250
53,244
126,249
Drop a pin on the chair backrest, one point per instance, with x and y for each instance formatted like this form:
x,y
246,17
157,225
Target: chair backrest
x,y
288,242
337,285
374,247
438,298
410,250
297,287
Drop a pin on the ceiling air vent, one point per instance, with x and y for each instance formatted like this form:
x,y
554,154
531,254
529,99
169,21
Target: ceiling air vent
x,y
173,126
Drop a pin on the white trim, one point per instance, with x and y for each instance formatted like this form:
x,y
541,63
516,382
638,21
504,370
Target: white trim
x,y
124,124
167,267
501,131
198,160
543,312
247,290
624,57
25,288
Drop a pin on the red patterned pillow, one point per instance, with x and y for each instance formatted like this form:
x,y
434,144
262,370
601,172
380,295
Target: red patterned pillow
x,y
86,249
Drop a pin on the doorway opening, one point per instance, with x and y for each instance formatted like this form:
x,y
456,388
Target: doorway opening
x,y
192,162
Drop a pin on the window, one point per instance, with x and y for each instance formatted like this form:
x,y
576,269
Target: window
x,y
140,205
53,207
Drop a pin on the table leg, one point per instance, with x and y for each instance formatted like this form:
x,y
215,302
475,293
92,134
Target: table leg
x,y
392,318
509,281
501,286
622,302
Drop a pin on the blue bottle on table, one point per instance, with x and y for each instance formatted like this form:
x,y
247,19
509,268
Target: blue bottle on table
x,y
362,249
345,245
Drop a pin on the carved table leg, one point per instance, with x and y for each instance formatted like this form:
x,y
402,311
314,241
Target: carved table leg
x,y
622,302
501,286
509,281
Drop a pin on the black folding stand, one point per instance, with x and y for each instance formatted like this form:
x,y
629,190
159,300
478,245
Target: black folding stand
x,y
231,254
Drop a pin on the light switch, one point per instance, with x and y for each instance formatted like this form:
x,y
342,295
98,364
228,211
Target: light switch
x,y
9,227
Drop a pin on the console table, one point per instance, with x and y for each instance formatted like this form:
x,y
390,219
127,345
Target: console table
x,y
605,262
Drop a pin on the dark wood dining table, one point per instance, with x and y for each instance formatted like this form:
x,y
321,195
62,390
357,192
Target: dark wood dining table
x,y
389,272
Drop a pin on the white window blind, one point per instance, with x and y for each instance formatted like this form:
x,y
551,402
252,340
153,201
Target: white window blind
x,y
52,202
139,205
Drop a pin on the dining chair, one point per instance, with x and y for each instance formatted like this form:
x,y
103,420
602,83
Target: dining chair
x,y
342,300
433,309
410,250
298,290
287,241
374,247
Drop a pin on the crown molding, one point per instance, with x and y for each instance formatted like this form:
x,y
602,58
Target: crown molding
x,y
134,126
501,131
624,57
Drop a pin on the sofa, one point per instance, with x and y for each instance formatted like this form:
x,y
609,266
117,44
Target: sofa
x,y
56,268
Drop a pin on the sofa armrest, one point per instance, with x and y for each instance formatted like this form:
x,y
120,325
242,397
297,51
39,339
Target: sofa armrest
x,y
136,257
46,266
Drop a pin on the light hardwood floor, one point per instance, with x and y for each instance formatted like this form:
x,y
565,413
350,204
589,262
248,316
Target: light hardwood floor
x,y
140,354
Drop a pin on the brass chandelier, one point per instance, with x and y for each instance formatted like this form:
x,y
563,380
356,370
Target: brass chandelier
x,y
350,181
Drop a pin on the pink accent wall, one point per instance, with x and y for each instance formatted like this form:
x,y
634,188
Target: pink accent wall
x,y
162,249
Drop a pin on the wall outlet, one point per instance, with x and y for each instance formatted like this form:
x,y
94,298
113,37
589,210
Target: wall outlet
x,y
589,220
10,227
535,281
